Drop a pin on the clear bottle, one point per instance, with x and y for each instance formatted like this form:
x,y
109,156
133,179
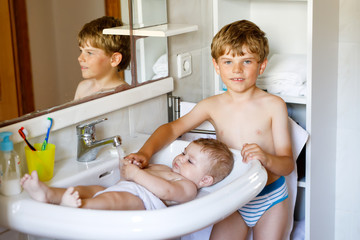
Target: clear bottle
x,y
10,167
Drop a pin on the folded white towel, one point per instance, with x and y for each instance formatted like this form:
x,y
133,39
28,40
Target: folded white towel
x,y
160,68
285,68
284,89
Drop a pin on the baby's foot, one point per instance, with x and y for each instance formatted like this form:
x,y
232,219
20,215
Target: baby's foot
x,y
71,198
35,188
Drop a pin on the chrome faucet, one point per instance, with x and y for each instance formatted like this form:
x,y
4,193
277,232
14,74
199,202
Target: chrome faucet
x,y
88,147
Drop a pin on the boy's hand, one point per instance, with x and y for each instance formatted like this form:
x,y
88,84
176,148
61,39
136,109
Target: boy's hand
x,y
253,151
129,170
138,159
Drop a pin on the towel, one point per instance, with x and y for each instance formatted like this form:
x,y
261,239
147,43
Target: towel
x,y
285,69
284,89
160,68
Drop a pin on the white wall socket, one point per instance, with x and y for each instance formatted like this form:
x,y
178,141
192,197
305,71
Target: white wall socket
x,y
184,65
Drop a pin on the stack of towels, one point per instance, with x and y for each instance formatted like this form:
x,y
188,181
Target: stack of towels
x,y
285,74
160,68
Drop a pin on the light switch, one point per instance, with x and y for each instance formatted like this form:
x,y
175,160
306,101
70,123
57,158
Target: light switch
x,y
184,65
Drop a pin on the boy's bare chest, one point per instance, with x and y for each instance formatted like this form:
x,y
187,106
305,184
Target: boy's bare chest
x,y
238,126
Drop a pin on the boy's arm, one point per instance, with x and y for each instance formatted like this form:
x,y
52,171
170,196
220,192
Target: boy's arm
x,y
281,161
179,191
168,132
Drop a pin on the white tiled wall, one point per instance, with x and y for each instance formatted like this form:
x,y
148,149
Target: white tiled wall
x,y
347,225
200,83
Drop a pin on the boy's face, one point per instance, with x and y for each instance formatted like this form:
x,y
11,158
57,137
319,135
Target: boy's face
x,y
94,62
239,73
193,165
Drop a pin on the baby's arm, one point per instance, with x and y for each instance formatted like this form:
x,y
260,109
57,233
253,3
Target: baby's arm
x,y
179,191
281,161
168,132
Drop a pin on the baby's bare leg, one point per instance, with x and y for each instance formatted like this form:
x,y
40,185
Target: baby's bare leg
x,y
71,198
273,224
114,201
41,192
231,228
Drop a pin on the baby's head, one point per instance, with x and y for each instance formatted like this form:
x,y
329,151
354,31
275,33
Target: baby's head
x,y
205,162
237,36
91,34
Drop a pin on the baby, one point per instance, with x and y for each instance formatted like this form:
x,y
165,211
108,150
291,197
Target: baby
x,y
203,163
102,57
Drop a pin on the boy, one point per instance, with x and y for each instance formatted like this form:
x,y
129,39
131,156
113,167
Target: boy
x,y
204,162
245,118
102,57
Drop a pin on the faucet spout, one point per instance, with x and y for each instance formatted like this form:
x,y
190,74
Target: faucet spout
x,y
88,147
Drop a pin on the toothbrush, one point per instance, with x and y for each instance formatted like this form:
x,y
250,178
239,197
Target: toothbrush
x,y
49,122
22,131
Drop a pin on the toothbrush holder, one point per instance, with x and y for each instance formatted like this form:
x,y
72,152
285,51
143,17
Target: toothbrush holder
x,y
41,160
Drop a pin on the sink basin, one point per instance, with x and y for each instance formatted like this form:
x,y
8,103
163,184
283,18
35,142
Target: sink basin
x,y
212,204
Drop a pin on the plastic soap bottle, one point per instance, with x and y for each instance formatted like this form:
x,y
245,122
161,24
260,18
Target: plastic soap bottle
x,y
10,168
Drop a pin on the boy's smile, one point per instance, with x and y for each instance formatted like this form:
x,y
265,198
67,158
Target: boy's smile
x,y
239,73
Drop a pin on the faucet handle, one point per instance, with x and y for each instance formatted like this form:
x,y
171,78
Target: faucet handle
x,y
88,128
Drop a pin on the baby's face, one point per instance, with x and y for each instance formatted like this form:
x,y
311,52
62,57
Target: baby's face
x,y
192,163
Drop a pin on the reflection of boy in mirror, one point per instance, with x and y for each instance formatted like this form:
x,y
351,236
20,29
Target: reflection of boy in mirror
x,y
102,57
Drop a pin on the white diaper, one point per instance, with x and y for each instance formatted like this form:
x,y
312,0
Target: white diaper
x,y
151,202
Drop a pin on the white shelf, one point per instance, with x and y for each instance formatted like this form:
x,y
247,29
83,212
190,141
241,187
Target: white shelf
x,y
302,182
164,30
287,99
292,99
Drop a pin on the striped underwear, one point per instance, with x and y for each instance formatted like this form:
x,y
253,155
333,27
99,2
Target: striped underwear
x,y
271,195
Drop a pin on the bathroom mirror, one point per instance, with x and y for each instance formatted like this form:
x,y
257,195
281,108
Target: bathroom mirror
x,y
51,69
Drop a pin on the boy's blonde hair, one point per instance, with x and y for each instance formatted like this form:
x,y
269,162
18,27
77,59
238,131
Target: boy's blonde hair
x,y
237,35
221,159
91,33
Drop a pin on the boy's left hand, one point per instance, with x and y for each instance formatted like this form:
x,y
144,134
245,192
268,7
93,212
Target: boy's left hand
x,y
253,151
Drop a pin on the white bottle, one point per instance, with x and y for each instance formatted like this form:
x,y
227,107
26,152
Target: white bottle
x,y
10,168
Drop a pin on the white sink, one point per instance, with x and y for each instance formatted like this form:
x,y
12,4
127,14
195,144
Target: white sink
x,y
26,215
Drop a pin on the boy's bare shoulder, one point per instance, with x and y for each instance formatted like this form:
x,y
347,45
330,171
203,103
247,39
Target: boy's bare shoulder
x,y
86,83
269,98
83,88
212,100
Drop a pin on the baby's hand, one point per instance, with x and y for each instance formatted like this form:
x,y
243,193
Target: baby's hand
x,y
138,159
129,170
253,151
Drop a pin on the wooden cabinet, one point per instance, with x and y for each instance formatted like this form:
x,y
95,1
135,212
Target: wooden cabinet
x,y
309,28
